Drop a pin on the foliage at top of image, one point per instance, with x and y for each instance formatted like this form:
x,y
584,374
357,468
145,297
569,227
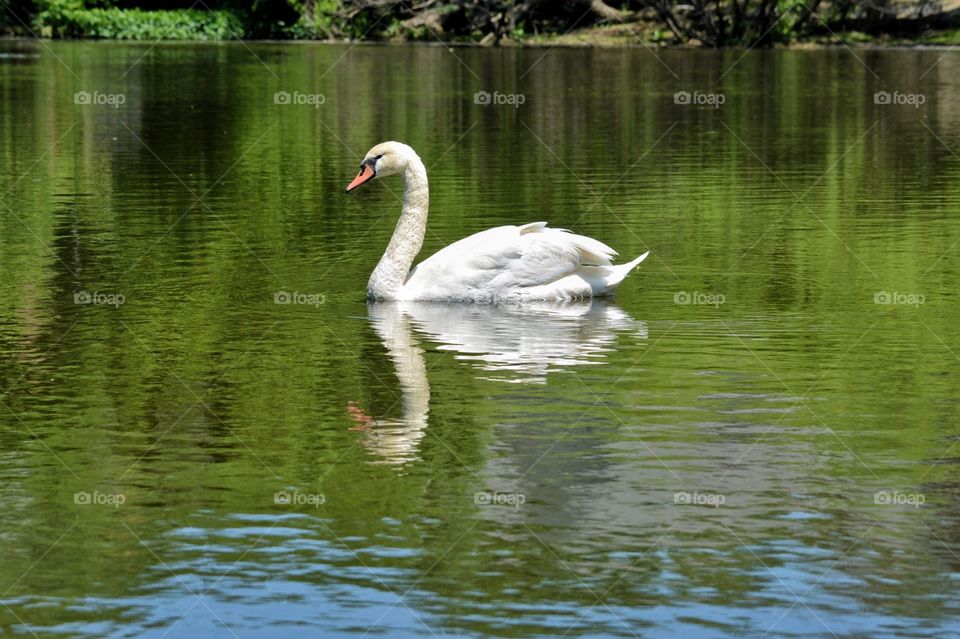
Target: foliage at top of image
x,y
765,22
137,24
678,22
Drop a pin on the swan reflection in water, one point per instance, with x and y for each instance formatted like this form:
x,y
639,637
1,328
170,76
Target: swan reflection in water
x,y
515,344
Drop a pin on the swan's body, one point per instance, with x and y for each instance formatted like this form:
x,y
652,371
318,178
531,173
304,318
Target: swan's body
x,y
502,264
514,263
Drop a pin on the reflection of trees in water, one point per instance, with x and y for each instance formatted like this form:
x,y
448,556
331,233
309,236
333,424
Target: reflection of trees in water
x,y
94,204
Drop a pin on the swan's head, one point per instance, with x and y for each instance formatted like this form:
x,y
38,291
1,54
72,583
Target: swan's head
x,y
387,158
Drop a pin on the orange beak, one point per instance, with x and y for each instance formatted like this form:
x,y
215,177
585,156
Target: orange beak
x,y
365,175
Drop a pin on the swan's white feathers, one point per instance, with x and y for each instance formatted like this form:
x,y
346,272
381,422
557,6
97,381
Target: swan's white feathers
x,y
509,263
530,261
532,227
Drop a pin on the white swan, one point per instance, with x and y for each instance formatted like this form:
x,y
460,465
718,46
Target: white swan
x,y
503,264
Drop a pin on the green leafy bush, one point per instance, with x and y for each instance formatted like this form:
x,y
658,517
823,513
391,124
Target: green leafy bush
x,y
67,20
721,23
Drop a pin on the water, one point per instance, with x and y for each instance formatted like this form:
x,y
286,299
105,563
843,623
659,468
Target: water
x,y
751,367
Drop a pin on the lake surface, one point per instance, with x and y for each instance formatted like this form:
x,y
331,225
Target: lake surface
x,y
759,437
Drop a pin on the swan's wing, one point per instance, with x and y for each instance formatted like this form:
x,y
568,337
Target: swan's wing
x,y
539,255
506,258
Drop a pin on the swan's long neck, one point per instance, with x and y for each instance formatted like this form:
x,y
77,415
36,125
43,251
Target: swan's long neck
x,y
394,266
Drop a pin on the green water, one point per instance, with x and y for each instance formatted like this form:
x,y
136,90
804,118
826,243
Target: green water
x,y
750,366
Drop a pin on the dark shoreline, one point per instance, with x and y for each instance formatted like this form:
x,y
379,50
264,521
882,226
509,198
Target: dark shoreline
x,y
538,44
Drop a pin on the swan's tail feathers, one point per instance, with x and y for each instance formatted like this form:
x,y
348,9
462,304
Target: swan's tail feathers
x,y
629,266
604,279
619,272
